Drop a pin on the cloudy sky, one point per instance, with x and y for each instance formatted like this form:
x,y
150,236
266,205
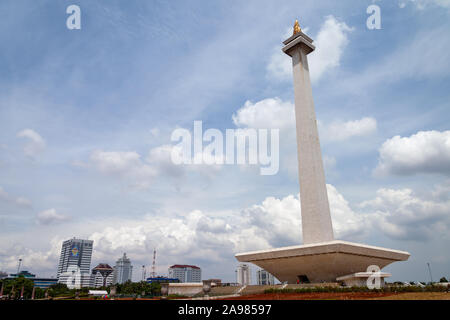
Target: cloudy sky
x,y
86,118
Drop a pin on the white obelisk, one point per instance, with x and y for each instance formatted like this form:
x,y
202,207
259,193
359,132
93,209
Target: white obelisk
x,y
316,219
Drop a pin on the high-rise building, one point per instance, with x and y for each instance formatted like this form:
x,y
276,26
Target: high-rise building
x,y
75,252
264,278
102,275
122,270
243,274
185,273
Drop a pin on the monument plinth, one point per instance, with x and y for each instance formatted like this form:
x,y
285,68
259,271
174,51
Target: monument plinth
x,y
320,258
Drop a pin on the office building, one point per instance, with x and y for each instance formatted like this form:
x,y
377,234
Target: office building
x,y
122,270
185,273
243,274
264,278
75,252
102,276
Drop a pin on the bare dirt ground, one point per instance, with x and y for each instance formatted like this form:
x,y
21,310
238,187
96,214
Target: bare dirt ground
x,y
347,296
418,296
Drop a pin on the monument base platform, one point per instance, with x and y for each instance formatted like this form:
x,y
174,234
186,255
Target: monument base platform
x,y
321,262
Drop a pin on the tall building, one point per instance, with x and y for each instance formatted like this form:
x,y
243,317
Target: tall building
x,y
243,274
75,252
185,273
264,278
102,275
122,270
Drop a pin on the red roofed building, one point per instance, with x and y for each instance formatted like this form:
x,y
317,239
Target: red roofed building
x,y
102,275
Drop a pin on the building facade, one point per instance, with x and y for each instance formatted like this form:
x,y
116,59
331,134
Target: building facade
x,y
122,270
162,280
102,276
42,283
73,278
264,278
243,274
75,252
185,273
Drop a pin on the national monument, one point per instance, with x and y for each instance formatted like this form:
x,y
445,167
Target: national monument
x,y
320,258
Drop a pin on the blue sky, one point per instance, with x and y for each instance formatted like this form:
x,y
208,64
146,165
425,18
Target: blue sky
x,y
86,118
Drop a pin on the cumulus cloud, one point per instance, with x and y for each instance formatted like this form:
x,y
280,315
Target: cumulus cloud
x,y
401,214
18,201
330,44
50,216
267,113
44,261
35,143
127,165
339,130
140,172
212,238
423,152
272,223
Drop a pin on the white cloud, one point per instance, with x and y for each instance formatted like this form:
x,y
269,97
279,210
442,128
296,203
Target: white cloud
x,y
140,172
216,236
267,113
330,44
212,238
338,130
19,201
35,143
123,164
401,214
275,113
50,216
423,152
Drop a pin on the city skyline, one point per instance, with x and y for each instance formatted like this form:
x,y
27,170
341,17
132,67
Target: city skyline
x,y
86,118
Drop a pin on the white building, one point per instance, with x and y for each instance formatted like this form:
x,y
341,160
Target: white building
x,y
243,274
102,276
185,273
264,278
73,278
122,270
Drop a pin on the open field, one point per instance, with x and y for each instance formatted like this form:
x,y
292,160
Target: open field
x,y
347,296
418,296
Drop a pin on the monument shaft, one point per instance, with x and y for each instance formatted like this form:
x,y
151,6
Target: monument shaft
x,y
316,219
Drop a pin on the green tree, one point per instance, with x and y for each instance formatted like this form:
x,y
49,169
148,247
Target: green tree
x,y
59,289
13,287
443,279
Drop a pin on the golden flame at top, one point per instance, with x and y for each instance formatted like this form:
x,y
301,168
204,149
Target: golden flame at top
x,y
296,27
